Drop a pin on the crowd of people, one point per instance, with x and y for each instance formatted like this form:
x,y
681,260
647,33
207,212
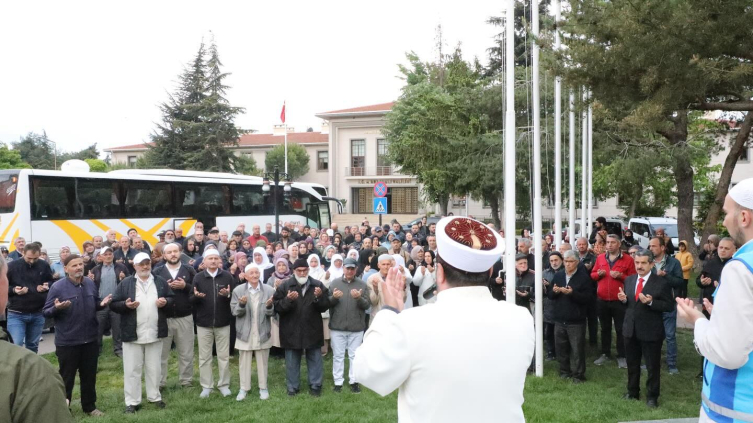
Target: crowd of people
x,y
308,291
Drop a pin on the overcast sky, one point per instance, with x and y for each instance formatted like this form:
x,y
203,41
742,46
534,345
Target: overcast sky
x,y
89,71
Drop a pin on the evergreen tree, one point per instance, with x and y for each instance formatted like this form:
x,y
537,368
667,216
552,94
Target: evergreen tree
x,y
197,127
11,159
298,160
36,150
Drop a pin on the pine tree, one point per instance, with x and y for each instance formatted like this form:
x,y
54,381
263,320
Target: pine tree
x,y
197,125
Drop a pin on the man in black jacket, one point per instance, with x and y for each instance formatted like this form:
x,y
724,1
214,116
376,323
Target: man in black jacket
x,y
106,277
29,279
125,254
300,302
141,301
709,277
212,288
570,293
179,314
647,296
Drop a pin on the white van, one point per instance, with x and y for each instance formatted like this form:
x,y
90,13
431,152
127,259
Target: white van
x,y
645,227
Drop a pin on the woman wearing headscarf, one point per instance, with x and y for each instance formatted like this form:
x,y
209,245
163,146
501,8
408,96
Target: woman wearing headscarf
x,y
293,252
285,255
424,278
335,271
357,241
261,260
353,253
337,241
364,261
281,273
323,242
303,250
327,255
417,257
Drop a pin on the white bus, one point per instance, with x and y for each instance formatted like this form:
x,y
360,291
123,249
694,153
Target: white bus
x,y
59,208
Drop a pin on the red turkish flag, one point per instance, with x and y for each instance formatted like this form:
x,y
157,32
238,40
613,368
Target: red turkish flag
x,y
282,114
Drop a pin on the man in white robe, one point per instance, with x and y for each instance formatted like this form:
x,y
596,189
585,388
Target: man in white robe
x,y
463,358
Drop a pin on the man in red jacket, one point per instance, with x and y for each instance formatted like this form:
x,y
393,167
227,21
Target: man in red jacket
x,y
609,272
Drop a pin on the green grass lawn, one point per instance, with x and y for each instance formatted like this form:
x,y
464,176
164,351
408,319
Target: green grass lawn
x,y
548,399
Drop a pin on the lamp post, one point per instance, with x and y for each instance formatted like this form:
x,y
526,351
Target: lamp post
x,y
276,176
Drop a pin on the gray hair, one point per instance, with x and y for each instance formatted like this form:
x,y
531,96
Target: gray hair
x,y
567,245
645,253
525,241
635,247
613,236
570,254
583,238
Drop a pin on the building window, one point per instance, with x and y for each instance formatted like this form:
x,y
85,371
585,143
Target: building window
x,y
745,156
357,157
322,160
132,161
383,161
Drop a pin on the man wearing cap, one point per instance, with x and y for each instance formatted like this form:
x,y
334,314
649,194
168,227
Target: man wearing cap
x,y
376,296
212,288
106,277
349,299
725,340
74,302
300,302
140,300
214,236
437,381
179,314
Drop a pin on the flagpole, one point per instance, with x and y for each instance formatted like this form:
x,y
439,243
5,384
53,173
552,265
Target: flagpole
x,y
286,148
537,226
509,179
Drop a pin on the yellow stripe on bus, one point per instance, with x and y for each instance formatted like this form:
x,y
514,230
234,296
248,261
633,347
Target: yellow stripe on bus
x,y
104,227
76,234
13,246
7,228
150,235
187,225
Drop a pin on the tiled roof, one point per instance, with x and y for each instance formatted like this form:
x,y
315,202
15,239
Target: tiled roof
x,y
250,140
384,107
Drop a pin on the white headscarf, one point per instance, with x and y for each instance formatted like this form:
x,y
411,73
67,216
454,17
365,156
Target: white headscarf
x,y
334,271
353,253
265,264
318,271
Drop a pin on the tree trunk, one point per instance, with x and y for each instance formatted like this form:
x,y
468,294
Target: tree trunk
x,y
494,204
443,200
637,195
684,178
735,151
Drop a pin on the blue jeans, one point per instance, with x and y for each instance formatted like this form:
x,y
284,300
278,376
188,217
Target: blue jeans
x,y
26,328
670,327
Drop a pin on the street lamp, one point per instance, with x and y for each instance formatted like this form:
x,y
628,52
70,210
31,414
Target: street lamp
x,y
276,176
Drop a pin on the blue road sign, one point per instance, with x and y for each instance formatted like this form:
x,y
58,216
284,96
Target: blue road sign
x,y
380,205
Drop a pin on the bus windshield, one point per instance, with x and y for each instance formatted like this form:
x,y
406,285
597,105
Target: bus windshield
x,y
8,184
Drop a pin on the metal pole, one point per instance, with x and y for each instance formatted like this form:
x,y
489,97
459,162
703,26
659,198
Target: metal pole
x,y
557,139
571,203
276,177
537,226
510,151
590,163
286,148
584,230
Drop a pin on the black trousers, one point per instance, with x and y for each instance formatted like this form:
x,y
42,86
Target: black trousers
x,y
593,322
571,342
549,338
682,291
650,351
608,311
81,359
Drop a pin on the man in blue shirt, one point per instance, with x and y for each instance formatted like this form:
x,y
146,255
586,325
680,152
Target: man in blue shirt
x,y
73,302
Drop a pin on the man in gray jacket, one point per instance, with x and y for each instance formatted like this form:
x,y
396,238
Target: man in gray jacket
x,y
349,301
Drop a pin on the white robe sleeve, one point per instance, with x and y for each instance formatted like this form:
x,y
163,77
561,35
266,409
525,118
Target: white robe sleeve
x,y
383,361
725,340
418,277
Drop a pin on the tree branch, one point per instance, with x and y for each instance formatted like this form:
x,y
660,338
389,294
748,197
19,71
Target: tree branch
x,y
727,106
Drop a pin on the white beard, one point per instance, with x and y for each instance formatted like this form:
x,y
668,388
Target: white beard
x,y
301,280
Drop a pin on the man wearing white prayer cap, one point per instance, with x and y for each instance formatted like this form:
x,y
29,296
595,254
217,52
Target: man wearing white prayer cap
x,y
726,340
439,355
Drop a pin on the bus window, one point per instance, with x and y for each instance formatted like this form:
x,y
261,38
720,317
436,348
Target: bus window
x,y
8,185
297,203
147,199
97,199
200,199
52,198
247,200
